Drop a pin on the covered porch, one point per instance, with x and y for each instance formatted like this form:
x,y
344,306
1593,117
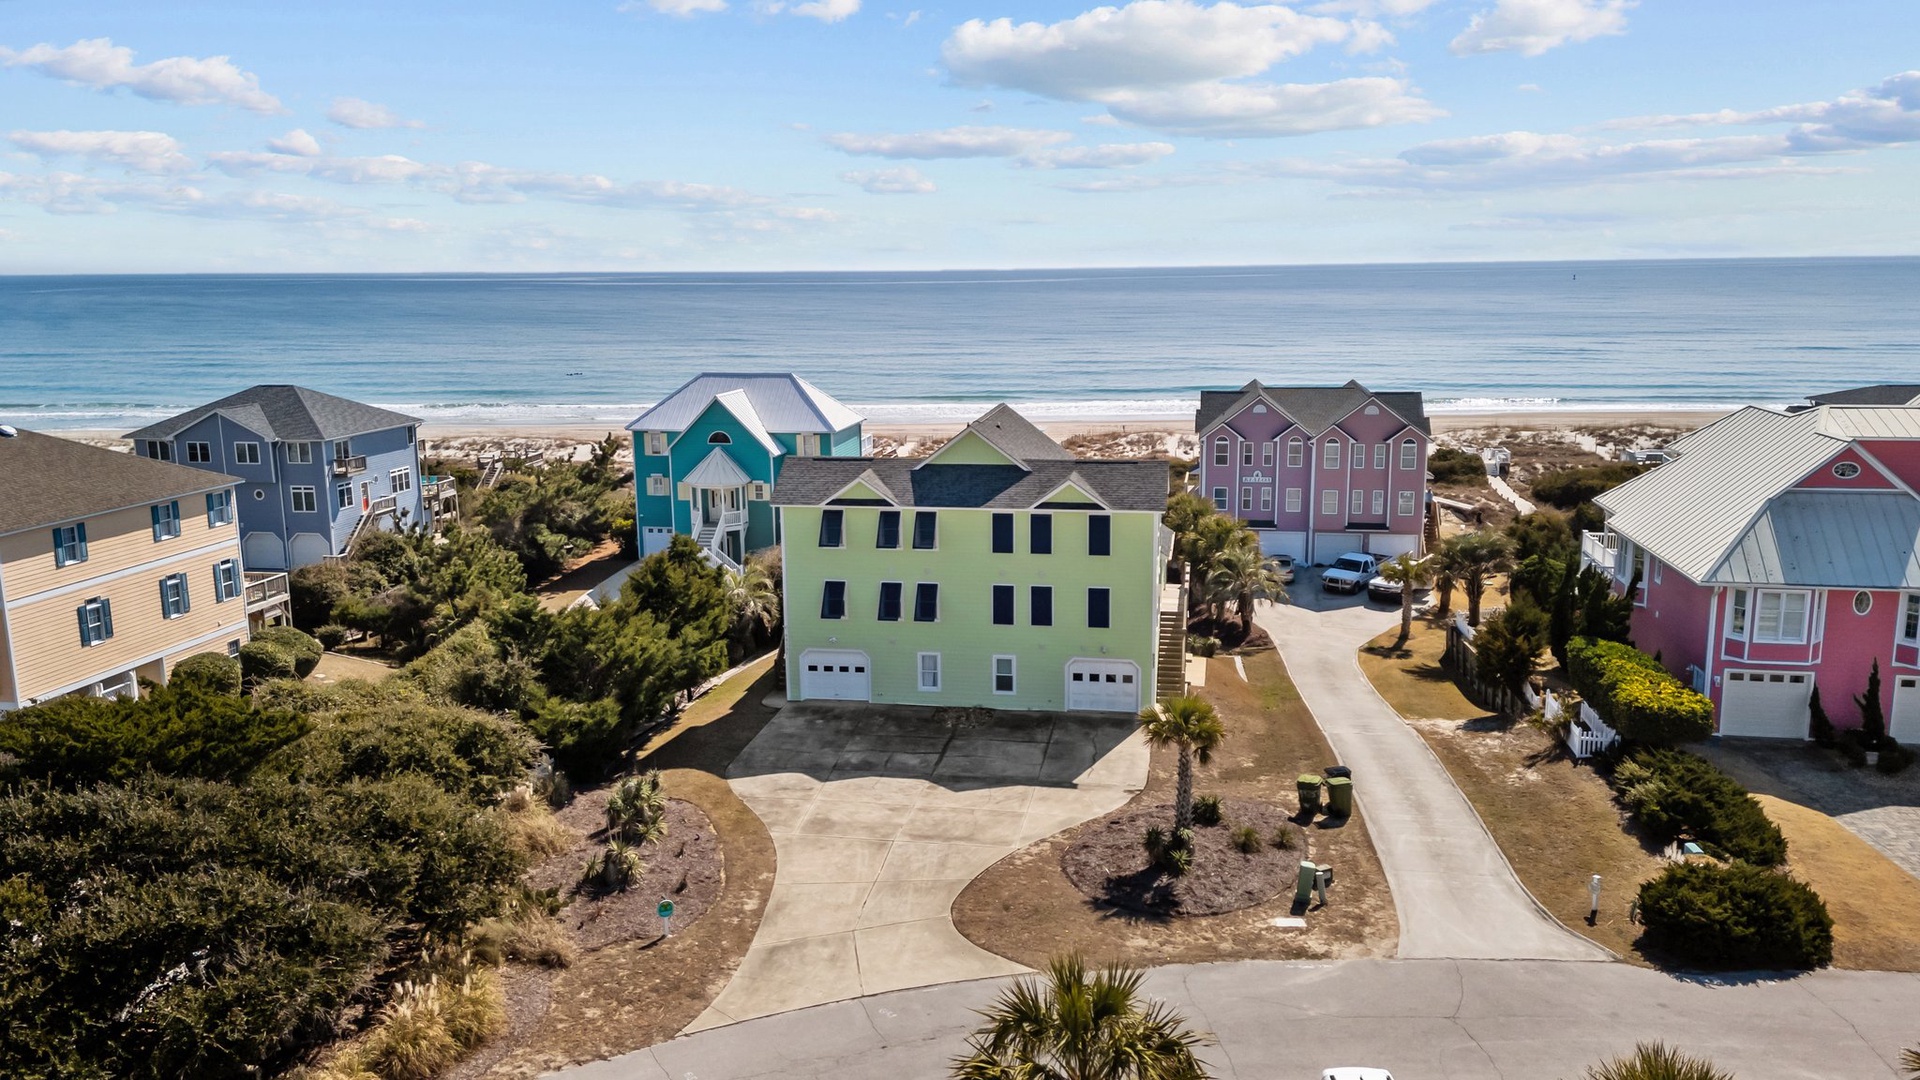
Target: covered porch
x,y
716,494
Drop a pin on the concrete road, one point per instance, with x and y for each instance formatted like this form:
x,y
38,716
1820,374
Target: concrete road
x,y
1421,1019
880,817
1455,894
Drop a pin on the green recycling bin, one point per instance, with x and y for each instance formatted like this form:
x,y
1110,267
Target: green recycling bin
x,y
1303,888
1340,795
1309,787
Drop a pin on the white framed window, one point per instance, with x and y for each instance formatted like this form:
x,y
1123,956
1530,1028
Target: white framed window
x,y
199,453
303,502
1780,617
1266,454
1003,675
219,509
70,545
757,491
343,496
1405,504
400,480
166,521
1246,453
657,484
226,581
96,621
1246,499
1220,499
1329,502
1359,455
1657,564
299,453
1296,452
1910,619
1220,451
1409,453
656,443
1862,602
1266,499
1293,500
1737,615
246,453
929,672
1380,456
1355,500
1330,457
1379,504
173,596
809,445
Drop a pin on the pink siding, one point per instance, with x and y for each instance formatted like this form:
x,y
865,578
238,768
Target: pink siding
x,y
1900,456
1673,624
1870,478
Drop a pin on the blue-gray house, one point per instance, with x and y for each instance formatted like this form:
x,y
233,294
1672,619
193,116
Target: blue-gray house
x,y
315,469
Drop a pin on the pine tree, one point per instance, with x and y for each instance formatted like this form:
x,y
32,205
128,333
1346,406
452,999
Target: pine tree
x,y
1873,722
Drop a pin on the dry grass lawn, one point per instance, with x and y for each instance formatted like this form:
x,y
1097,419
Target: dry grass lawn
x,y
1875,905
1025,909
1556,821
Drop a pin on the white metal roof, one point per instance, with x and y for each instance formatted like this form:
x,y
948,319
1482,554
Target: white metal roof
x,y
717,470
1867,422
785,403
1723,511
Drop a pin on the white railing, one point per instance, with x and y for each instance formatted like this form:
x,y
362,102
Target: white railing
x,y
1586,734
1598,549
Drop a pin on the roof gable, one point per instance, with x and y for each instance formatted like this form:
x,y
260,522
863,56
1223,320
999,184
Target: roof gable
x,y
735,405
1118,485
286,413
866,488
969,448
1009,434
1315,408
784,403
1866,473
46,480
1074,489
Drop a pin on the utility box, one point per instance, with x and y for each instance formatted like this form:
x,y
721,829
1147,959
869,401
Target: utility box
x,y
1340,796
1303,889
1309,788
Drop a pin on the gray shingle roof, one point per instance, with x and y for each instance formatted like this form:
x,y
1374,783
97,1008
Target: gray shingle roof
x,y
1015,436
45,481
1121,485
1881,394
284,413
1315,408
785,402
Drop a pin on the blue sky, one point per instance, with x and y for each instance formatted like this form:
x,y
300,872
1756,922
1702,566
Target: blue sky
x,y
872,134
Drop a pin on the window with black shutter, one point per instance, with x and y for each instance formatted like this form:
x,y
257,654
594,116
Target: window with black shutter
x,y
831,523
889,601
1040,534
1099,603
1099,535
1040,605
1003,605
1003,534
889,533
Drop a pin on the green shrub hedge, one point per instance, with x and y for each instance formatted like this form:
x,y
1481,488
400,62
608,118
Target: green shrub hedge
x,y
261,661
213,672
1635,695
1736,916
304,648
1674,793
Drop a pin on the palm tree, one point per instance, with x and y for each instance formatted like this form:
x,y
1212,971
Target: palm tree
x,y
1409,573
754,600
1242,574
1910,1061
636,810
1476,557
1190,725
1074,1025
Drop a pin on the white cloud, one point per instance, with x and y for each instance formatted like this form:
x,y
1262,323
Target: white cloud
x,y
183,80
74,193
1531,27
141,151
682,8
381,169
956,142
829,11
1396,9
1180,67
905,180
365,115
1108,156
1881,115
297,143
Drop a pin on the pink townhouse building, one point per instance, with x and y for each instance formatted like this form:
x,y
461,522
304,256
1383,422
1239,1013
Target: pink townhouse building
x,y
1317,471
1777,552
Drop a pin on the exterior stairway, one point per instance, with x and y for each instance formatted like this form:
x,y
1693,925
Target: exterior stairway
x,y
1172,662
709,540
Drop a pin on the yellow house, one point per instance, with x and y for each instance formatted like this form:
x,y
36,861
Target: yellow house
x,y
113,568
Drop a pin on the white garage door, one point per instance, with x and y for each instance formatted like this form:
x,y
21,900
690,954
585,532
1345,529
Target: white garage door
x,y
1103,686
264,551
1903,723
1276,542
1765,704
310,548
834,675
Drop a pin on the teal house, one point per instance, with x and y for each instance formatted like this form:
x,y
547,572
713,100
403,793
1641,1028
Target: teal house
x,y
705,458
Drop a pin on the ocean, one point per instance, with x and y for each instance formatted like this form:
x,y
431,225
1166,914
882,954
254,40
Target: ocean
x,y
590,349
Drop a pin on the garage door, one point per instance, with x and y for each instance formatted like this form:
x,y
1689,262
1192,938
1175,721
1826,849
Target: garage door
x,y
264,551
1103,686
1903,723
1765,704
834,675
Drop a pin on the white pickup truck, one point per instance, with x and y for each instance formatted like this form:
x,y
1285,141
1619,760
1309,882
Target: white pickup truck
x,y
1350,572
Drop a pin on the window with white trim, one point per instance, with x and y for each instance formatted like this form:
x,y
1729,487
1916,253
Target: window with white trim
x,y
1293,500
159,450
929,672
1220,499
1266,500
166,521
1296,452
1780,617
1355,500
1246,499
1910,619
96,621
246,453
173,596
1246,453
70,544
1380,456
1379,504
1220,451
199,453
226,581
303,502
1330,456
400,480
1266,454
1003,681
1329,502
809,444
1359,455
343,496
833,600
1737,615
926,602
1405,504
656,443
219,509
299,453
656,484
1409,453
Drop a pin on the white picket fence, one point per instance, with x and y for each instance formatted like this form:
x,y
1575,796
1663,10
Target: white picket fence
x,y
1585,735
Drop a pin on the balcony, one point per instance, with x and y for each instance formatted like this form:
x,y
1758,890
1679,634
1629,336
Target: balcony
x,y
350,466
265,590
1598,549
385,504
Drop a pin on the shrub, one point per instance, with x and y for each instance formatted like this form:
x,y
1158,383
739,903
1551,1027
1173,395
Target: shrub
x,y
1873,720
1636,695
533,829
1674,793
1206,810
331,636
583,736
1736,916
1656,1061
264,660
526,934
467,669
615,868
1177,861
1451,466
1568,488
1819,728
208,672
1202,645
1247,839
175,730
305,650
1894,758
1155,841
313,592
1507,645
476,755
1284,839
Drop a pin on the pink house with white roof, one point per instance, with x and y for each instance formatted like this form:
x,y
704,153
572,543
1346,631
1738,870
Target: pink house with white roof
x,y
1778,552
1317,471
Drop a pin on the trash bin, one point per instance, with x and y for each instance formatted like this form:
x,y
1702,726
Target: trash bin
x,y
1340,795
1303,888
1309,788
1332,771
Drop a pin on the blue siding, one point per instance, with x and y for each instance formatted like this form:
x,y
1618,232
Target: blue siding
x,y
846,443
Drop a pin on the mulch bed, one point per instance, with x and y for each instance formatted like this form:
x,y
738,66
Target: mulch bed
x,y
684,867
1108,862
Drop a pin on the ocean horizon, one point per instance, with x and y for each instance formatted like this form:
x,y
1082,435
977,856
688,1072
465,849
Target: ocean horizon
x,y
481,350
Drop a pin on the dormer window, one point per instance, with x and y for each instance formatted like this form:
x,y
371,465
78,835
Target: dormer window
x,y
720,438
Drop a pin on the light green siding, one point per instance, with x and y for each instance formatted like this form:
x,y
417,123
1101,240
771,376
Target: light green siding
x,y
968,448
966,569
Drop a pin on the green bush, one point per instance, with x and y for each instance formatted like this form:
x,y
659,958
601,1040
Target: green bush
x,y
1635,695
331,635
1673,793
304,648
175,730
467,669
1451,466
1247,839
208,672
1202,645
1507,646
1736,916
1568,488
264,660
313,592
1894,758
1206,810
1656,1061
475,754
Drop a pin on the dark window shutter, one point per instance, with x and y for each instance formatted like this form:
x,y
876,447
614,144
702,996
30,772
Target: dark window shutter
x,y
81,611
1099,535
1040,605
59,551
1003,534
155,511
186,601
889,534
1003,605
926,602
925,534
889,601
1098,604
81,531
830,526
106,617
1040,534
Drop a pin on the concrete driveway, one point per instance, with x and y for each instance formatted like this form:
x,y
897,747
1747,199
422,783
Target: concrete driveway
x,y
880,816
1455,894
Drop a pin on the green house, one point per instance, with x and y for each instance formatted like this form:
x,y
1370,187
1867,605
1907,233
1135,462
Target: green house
x,y
1000,572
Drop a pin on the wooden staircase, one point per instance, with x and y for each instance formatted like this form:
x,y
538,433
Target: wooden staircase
x,y
1172,659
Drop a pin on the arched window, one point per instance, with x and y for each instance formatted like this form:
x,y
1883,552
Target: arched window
x,y
1409,453
1220,451
720,437
1330,455
1296,452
